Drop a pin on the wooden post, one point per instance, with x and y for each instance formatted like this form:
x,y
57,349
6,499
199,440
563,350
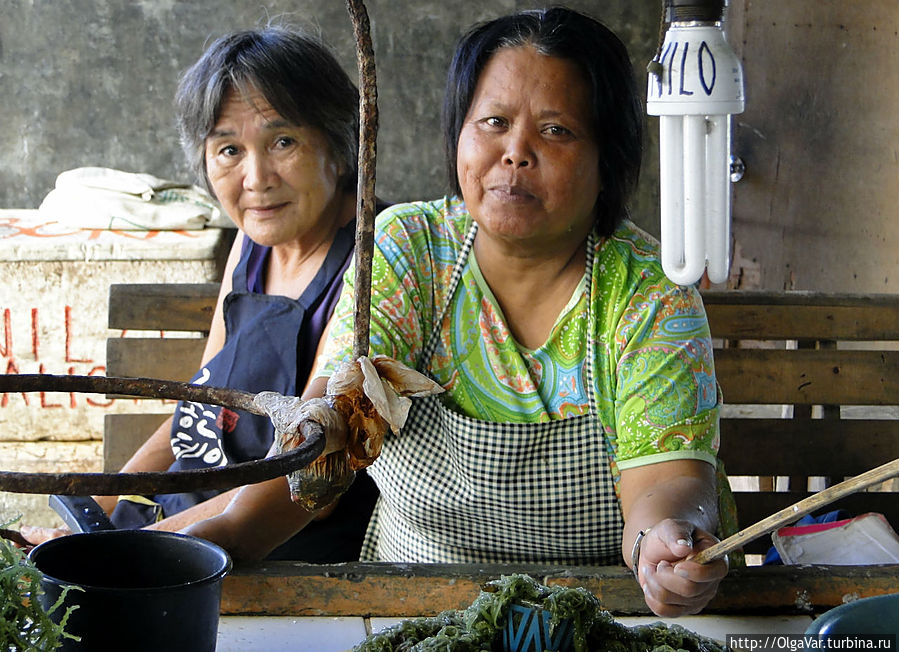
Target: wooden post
x,y
365,199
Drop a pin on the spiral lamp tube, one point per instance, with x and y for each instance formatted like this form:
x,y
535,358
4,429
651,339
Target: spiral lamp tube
x,y
696,87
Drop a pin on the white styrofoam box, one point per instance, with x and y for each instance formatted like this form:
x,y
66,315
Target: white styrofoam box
x,y
53,319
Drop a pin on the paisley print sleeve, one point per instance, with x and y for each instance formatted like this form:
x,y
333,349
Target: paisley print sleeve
x,y
667,398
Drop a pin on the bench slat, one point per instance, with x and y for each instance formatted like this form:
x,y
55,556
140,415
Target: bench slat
x,y
168,359
802,315
162,306
822,447
125,433
819,377
804,322
797,298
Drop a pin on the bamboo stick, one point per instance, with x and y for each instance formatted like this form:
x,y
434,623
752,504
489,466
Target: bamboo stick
x,y
798,510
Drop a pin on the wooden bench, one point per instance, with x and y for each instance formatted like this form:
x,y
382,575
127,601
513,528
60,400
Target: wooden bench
x,y
830,360
178,316
827,362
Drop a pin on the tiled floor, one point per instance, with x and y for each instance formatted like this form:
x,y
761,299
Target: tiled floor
x,y
289,634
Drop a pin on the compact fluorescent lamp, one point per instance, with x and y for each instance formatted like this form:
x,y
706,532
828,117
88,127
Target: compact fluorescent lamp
x,y
695,84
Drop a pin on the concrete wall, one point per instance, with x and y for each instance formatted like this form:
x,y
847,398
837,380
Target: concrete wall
x,y
90,82
54,287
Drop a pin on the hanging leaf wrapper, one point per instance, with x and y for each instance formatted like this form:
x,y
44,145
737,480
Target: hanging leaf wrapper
x,y
363,400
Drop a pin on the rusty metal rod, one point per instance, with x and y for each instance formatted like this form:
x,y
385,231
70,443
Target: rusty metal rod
x,y
112,484
147,387
170,482
365,189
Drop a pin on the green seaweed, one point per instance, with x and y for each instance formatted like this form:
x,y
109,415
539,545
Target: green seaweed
x,y
479,626
24,624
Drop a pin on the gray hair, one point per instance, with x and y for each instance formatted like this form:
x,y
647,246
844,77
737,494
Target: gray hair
x,y
295,73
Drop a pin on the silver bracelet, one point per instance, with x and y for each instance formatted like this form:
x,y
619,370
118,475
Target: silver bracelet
x,y
635,554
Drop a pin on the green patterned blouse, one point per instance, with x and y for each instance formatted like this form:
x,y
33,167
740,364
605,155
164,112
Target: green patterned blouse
x,y
654,380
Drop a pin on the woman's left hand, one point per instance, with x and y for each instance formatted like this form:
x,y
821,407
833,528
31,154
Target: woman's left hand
x,y
36,535
672,584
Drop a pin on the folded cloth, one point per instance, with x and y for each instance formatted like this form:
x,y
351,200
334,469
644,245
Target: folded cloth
x,y
103,198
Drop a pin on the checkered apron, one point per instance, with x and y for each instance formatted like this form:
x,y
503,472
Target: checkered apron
x,y
460,490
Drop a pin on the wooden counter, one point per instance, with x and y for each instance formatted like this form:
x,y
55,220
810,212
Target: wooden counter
x,y
409,590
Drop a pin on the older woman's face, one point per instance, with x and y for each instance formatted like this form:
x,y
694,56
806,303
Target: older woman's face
x,y
528,161
276,180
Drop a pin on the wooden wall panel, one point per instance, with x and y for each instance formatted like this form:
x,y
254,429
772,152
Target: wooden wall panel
x,y
816,209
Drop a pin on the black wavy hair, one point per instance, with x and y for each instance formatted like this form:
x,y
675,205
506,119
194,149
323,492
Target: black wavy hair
x,y
617,109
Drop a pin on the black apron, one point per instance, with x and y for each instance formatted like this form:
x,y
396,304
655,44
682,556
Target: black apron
x,y
260,354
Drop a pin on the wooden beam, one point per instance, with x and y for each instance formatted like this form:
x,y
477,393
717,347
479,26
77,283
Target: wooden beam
x,y
145,357
808,448
125,433
798,315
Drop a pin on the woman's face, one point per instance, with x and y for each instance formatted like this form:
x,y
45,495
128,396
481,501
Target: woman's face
x,y
528,160
276,180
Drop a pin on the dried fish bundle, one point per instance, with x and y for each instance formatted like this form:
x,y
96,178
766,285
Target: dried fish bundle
x,y
363,399
329,475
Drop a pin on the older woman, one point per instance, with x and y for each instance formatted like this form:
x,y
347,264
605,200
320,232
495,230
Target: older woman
x,y
269,121
580,418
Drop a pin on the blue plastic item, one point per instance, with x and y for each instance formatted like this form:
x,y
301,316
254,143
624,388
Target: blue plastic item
x,y
875,616
527,629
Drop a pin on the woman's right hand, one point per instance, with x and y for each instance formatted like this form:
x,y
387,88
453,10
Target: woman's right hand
x,y
672,584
